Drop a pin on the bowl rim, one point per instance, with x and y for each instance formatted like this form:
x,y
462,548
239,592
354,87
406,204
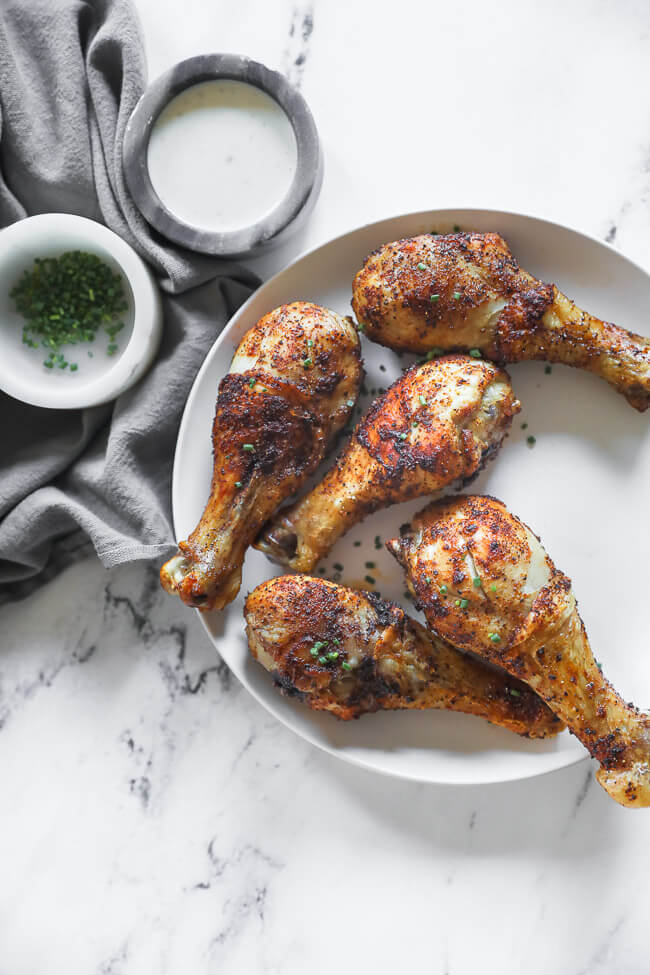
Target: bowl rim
x,y
147,313
302,192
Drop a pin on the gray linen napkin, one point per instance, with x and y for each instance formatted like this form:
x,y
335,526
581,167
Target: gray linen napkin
x,y
71,71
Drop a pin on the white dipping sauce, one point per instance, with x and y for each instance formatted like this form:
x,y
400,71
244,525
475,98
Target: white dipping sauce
x,y
222,155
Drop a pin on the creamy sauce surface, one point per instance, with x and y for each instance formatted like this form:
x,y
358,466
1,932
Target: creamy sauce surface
x,y
222,155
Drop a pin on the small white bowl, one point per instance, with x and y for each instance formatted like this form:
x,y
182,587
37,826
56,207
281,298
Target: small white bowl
x,y
99,377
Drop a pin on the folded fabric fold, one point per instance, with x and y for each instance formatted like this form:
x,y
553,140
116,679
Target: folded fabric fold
x,y
71,72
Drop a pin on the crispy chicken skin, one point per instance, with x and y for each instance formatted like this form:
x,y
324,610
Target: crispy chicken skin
x,y
351,653
292,385
464,291
434,426
486,584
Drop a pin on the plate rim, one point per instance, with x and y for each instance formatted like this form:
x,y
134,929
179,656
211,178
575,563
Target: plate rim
x,y
569,758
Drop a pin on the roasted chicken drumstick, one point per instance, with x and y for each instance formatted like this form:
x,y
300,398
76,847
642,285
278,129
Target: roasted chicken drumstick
x,y
435,426
292,384
351,653
486,584
466,291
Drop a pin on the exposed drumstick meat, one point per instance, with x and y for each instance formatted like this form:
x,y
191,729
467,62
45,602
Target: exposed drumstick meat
x,y
486,585
350,653
466,291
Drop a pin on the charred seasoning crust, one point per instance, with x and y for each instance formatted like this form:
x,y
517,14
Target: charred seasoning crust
x,y
403,283
276,421
523,316
318,381
347,694
431,526
308,611
391,416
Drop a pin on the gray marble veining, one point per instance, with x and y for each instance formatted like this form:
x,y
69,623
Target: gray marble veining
x,y
155,818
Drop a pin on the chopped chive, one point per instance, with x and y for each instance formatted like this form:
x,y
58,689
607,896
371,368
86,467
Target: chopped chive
x,y
335,640
314,652
475,353
377,542
548,370
310,342
514,692
443,589
531,441
464,603
357,544
318,646
422,399
346,666
428,580
457,602
524,426
333,655
493,587
248,447
434,353
494,637
306,363
252,381
477,581
422,266
322,660
238,484
337,567
434,298
403,436
456,295
370,580
370,565
350,403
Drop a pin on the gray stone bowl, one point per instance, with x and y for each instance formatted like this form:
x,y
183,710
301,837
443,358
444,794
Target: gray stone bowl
x,y
289,214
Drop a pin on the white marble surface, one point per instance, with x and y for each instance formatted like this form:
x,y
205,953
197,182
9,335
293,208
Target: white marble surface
x,y
154,818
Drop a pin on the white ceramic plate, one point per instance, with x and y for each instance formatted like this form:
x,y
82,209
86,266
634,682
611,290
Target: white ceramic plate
x,y
583,488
